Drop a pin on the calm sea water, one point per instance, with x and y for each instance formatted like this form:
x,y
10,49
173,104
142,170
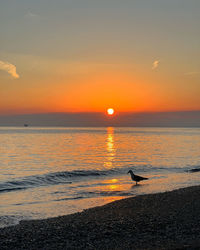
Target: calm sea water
x,y
47,172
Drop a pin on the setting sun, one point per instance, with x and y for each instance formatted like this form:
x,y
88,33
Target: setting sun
x,y
110,111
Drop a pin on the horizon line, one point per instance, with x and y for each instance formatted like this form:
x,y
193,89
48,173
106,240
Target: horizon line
x,y
101,112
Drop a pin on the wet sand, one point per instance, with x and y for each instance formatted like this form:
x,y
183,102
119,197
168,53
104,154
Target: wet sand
x,y
169,220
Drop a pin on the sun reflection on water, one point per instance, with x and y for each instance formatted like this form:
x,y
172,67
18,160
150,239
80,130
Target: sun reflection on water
x,y
112,185
110,148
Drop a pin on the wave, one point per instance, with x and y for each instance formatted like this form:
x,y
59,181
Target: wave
x,y
66,177
85,195
193,170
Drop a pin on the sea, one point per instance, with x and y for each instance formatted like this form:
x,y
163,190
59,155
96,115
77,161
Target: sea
x,y
49,172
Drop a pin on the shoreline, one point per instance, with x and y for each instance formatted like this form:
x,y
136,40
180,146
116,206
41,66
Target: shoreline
x,y
168,220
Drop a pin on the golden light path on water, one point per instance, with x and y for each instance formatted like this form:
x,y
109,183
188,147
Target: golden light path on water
x,y
110,147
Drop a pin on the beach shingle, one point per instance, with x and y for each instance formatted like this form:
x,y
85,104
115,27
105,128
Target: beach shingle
x,y
169,220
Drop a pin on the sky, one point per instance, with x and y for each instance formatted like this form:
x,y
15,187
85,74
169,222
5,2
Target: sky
x,y
89,55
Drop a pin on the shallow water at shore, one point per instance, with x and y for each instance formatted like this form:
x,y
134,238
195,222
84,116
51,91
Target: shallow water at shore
x,y
47,172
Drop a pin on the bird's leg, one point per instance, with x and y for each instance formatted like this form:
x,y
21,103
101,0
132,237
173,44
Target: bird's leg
x,y
136,182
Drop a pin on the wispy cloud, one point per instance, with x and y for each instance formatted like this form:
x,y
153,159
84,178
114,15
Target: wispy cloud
x,y
10,68
31,15
155,64
192,73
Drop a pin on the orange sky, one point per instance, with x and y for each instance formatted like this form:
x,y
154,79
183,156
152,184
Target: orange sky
x,y
87,57
94,92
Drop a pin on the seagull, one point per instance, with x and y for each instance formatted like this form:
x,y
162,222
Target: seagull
x,y
136,178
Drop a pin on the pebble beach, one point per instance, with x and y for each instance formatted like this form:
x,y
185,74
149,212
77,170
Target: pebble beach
x,y
169,220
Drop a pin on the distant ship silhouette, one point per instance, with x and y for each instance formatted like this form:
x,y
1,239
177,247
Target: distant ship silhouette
x,y
25,125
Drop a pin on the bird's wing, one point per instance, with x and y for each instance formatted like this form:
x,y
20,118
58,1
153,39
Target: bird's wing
x,y
140,178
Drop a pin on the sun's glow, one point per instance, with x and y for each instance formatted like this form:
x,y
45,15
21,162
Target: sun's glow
x,y
110,111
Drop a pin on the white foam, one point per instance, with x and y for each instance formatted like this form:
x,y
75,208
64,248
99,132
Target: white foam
x,y
9,220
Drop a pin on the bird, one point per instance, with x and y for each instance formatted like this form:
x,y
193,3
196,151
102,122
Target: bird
x,y
136,178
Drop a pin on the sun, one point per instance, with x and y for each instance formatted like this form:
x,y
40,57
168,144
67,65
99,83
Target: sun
x,y
110,111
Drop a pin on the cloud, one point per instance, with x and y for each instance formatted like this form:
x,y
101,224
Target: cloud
x,y
192,73
155,64
31,15
9,68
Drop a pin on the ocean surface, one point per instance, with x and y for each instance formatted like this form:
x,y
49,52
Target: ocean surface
x,y
47,172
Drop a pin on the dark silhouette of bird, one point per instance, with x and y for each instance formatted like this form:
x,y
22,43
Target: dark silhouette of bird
x,y
136,178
